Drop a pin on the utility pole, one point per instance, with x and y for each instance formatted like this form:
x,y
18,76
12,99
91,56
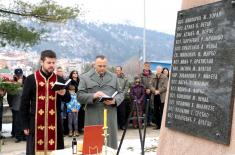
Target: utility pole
x,y
144,37
139,60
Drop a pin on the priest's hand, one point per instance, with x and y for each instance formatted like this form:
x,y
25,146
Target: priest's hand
x,y
61,92
26,132
110,102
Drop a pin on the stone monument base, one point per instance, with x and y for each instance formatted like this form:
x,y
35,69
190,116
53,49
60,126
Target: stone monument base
x,y
173,142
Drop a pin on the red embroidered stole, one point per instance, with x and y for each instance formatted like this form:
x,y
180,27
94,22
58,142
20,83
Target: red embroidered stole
x,y
46,116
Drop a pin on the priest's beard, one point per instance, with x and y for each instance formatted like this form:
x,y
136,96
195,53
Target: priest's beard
x,y
47,71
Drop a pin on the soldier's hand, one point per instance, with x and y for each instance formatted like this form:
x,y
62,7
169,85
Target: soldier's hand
x,y
99,94
109,102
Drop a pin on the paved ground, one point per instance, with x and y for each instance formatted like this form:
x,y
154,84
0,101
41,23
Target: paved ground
x,y
12,148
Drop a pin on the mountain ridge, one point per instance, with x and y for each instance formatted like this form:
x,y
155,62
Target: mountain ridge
x,y
119,42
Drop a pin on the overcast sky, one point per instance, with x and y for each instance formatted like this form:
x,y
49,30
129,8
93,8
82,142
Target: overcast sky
x,y
160,14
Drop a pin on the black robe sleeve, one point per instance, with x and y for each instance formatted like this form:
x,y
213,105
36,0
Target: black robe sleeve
x,y
25,108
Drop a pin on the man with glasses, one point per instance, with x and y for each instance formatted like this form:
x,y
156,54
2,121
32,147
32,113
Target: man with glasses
x,y
96,83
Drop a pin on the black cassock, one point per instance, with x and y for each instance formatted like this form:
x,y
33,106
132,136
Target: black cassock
x,y
28,107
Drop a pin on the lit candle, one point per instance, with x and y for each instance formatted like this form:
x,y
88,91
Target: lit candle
x,y
105,118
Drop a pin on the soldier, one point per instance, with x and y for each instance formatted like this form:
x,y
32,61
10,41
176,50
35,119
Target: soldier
x,y
94,84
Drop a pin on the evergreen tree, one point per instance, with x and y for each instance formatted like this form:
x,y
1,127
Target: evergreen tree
x,y
14,33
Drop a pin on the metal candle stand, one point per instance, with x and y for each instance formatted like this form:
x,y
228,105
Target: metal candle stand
x,y
105,139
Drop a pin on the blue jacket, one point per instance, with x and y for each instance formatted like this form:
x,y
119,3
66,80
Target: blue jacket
x,y
73,104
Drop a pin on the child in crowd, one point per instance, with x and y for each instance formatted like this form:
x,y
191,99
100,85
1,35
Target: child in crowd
x,y
72,109
137,93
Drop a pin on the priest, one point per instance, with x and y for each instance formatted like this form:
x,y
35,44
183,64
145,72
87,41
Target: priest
x,y
40,108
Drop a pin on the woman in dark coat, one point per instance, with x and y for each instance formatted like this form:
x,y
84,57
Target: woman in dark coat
x,y
74,79
137,93
81,114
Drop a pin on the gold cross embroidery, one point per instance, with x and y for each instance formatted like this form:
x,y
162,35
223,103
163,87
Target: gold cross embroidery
x,y
51,98
52,112
41,84
51,127
40,127
51,142
40,142
41,112
42,97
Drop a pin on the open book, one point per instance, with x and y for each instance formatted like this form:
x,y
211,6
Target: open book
x,y
104,98
58,85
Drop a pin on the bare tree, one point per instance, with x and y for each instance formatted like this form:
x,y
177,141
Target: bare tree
x,y
132,68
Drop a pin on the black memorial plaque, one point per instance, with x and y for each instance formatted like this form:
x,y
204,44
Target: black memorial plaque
x,y
201,87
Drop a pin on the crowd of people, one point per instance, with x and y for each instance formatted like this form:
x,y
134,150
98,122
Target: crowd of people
x,y
78,105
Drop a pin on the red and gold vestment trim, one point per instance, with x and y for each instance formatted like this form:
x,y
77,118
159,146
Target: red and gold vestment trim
x,y
46,115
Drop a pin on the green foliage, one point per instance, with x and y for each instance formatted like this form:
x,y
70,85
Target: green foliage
x,y
48,11
10,87
14,33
